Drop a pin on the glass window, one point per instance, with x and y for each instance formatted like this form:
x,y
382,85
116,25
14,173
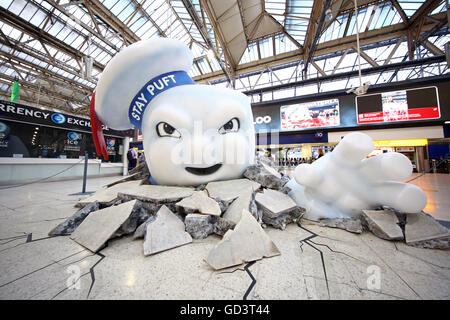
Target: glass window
x,y
36,141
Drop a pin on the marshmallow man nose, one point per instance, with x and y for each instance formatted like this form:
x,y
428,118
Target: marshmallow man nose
x,y
205,150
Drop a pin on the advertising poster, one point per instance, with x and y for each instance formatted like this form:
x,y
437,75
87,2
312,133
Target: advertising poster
x,y
307,115
400,105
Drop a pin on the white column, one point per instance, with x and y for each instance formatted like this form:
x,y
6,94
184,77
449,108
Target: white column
x,y
126,146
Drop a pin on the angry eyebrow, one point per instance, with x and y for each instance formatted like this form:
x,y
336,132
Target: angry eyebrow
x,y
226,111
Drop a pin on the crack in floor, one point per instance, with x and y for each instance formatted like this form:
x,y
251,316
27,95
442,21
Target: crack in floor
x,y
392,269
91,272
307,241
39,269
247,270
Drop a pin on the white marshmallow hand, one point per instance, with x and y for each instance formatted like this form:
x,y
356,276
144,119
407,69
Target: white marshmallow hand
x,y
342,183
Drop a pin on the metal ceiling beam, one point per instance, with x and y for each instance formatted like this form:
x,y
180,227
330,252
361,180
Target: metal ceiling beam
x,y
110,19
26,27
42,90
204,33
325,48
149,18
390,67
84,25
46,74
400,11
314,29
33,53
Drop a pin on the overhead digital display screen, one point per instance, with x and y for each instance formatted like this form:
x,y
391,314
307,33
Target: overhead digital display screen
x,y
400,105
307,115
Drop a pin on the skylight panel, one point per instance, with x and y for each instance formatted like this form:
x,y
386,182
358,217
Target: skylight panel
x,y
17,6
440,8
38,18
410,6
28,12
127,12
118,7
5,3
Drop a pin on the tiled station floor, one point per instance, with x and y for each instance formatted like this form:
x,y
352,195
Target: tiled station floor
x,y
315,262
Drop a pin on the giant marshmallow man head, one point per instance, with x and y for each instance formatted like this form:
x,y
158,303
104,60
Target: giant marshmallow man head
x,y
192,134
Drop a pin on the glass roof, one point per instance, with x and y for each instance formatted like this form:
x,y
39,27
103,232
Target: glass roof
x,y
85,32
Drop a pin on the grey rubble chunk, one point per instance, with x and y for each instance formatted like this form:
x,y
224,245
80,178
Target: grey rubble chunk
x,y
199,226
443,243
234,211
383,224
199,202
421,228
166,232
100,225
229,189
278,209
265,175
221,226
139,233
284,219
156,193
127,178
246,242
69,225
107,196
141,171
348,224
142,212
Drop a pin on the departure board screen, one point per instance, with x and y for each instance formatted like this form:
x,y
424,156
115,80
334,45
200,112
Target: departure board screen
x,y
400,105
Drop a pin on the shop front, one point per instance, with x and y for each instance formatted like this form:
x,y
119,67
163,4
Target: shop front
x,y
28,132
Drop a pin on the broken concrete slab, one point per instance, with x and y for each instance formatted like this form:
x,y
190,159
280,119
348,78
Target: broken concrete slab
x,y
69,225
139,233
107,196
421,227
277,209
156,193
199,226
166,232
274,202
246,242
127,178
199,202
234,211
99,226
383,224
266,175
229,190
348,224
141,172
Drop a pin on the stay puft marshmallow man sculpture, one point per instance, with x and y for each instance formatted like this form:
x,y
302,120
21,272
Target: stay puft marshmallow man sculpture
x,y
192,134
195,134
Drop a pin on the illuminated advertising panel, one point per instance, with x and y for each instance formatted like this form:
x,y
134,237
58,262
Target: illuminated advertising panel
x,y
308,115
400,105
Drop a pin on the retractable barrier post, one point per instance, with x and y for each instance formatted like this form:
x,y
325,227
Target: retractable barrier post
x,y
86,157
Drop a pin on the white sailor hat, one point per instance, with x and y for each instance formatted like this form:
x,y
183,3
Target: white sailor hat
x,y
131,79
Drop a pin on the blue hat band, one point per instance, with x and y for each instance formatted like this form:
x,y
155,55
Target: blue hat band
x,y
151,89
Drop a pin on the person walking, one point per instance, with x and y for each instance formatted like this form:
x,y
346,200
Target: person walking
x,y
132,158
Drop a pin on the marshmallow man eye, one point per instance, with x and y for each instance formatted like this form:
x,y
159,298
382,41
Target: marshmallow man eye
x,y
163,129
231,126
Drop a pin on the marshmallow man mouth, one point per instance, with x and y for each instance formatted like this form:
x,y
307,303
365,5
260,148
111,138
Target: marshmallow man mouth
x,y
204,171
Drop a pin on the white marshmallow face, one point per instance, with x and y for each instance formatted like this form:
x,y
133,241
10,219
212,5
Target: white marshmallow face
x,y
194,134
